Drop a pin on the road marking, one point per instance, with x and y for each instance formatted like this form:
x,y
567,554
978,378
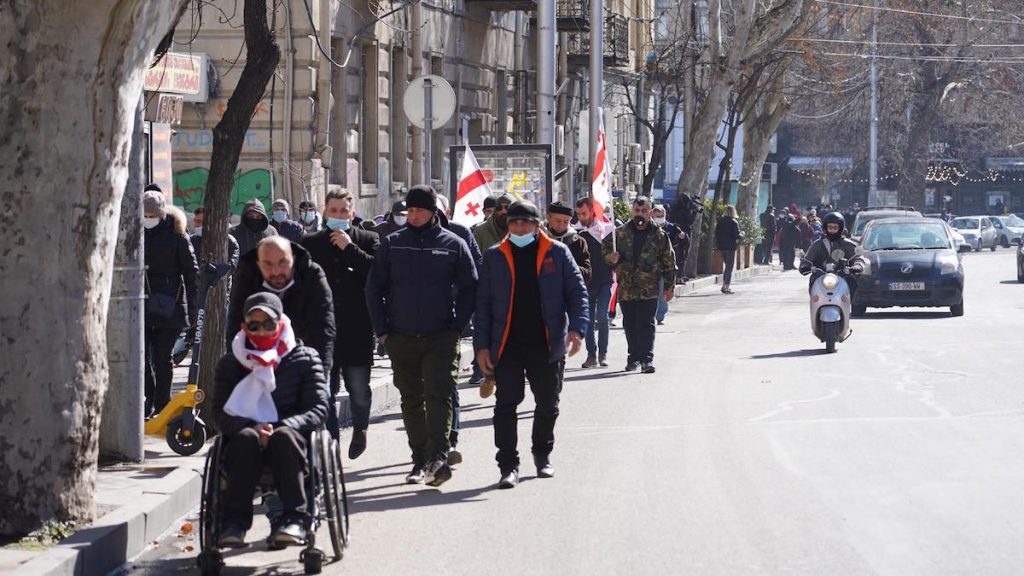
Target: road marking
x,y
788,405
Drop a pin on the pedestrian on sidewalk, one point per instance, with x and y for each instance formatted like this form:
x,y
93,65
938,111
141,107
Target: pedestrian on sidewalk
x,y
558,228
286,269
788,243
269,395
768,229
255,226
599,287
394,221
197,243
346,255
282,222
727,238
492,230
171,272
309,217
642,258
675,236
531,312
420,294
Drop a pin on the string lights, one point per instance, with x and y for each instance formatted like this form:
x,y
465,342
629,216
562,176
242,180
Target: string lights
x,y
952,174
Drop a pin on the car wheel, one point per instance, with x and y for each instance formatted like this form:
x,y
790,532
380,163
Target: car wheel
x,y
978,247
957,310
993,246
859,311
1006,242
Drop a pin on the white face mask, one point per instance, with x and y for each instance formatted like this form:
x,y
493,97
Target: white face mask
x,y
401,220
150,223
199,231
659,221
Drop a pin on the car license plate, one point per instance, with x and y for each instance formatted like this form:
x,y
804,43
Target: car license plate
x,y
906,286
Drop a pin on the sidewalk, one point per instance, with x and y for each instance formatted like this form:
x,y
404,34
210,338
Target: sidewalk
x,y
706,282
137,503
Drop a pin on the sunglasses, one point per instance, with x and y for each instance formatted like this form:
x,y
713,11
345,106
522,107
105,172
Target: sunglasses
x,y
501,208
267,325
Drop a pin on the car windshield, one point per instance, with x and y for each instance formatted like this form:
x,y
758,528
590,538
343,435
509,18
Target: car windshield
x,y
863,219
907,236
965,224
1012,221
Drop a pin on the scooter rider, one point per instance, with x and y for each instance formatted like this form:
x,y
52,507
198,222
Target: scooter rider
x,y
820,253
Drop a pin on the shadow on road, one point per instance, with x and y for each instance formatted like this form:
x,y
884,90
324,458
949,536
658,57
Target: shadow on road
x,y
790,354
590,376
904,315
1009,282
417,497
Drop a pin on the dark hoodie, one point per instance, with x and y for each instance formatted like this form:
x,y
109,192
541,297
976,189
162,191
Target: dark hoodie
x,y
171,268
248,237
578,248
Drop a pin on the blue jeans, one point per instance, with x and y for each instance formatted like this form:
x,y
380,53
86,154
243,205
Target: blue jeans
x,y
600,299
357,383
662,303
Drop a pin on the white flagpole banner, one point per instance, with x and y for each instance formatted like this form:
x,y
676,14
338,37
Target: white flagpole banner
x,y
472,191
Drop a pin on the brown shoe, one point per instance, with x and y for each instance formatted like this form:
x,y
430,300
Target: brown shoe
x,y
487,386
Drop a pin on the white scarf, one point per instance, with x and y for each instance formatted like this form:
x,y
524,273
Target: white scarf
x,y
252,398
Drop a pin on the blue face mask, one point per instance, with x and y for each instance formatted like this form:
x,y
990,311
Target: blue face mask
x,y
280,215
337,224
522,241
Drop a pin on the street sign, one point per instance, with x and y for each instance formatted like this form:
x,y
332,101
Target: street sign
x,y
442,97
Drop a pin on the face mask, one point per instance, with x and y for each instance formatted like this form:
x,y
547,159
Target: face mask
x,y
658,221
150,223
522,241
255,224
639,220
199,231
337,224
308,217
280,215
279,291
266,342
401,220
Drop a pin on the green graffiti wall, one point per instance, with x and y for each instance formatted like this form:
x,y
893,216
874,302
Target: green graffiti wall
x,y
190,188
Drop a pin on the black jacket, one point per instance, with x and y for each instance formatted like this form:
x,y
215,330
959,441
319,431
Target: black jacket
x,y
387,228
347,271
290,229
197,247
171,269
423,282
300,396
727,234
578,248
246,237
467,236
308,302
600,271
820,253
768,226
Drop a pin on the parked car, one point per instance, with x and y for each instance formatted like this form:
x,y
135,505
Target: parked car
x,y
911,262
874,213
1009,228
977,231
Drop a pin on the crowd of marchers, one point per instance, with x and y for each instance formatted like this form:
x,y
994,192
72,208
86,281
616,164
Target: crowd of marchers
x,y
315,298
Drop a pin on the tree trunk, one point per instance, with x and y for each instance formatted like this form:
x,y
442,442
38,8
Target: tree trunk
x,y
720,184
760,124
262,56
69,86
911,182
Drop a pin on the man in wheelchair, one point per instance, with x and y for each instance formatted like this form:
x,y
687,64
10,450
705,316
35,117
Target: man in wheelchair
x,y
270,394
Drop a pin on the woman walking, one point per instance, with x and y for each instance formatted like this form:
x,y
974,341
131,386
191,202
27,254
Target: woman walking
x,y
171,272
727,237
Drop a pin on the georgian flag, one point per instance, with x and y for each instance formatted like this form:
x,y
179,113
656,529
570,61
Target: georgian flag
x,y
473,190
601,190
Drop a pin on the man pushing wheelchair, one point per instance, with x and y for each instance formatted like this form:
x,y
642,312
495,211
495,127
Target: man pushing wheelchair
x,y
270,394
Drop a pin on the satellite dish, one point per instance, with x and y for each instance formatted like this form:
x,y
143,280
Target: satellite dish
x,y
442,97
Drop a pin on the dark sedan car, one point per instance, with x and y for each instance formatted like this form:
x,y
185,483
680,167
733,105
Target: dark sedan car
x,y
912,262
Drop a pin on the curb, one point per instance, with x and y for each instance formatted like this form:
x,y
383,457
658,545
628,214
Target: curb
x,y
123,533
707,282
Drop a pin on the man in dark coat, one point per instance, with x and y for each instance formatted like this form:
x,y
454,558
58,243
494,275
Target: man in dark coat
x,y
599,287
285,268
256,435
558,228
531,313
769,229
420,295
197,242
789,242
255,226
395,220
346,254
675,236
282,222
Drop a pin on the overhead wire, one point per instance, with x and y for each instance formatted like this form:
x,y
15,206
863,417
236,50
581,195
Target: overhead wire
x,y
920,13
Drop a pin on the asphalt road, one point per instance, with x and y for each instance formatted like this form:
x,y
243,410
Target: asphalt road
x,y
749,452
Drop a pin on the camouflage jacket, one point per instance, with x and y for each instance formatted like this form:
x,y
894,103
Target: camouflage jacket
x,y
638,280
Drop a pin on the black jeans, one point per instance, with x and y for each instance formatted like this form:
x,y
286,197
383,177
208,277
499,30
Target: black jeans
x,y
159,365
518,364
638,323
682,252
357,384
766,251
729,259
787,254
285,454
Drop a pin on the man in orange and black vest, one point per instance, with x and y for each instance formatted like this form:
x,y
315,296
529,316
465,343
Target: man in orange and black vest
x,y
531,312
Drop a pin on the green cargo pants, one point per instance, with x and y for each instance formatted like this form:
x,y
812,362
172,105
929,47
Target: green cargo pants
x,y
426,371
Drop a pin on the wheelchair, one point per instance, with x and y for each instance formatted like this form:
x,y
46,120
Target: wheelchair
x,y
326,498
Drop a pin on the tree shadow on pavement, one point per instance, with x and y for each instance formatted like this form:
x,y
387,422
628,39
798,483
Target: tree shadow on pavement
x,y
590,376
790,354
419,497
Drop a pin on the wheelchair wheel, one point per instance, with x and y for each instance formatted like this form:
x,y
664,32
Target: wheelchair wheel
x,y
185,442
210,559
312,561
332,489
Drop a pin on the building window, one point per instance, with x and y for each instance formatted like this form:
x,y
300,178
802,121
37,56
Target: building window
x,y
369,126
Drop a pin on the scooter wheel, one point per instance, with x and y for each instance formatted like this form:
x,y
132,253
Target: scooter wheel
x,y
185,442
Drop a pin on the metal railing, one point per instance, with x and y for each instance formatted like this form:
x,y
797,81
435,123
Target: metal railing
x,y
616,43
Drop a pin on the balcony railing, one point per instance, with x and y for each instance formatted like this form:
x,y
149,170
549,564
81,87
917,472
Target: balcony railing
x,y
616,43
504,5
572,15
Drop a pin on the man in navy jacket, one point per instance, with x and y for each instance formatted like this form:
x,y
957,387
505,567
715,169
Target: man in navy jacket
x,y
531,312
420,296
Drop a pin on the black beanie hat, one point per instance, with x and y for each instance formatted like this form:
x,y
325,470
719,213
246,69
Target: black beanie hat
x,y
524,210
559,207
490,202
421,196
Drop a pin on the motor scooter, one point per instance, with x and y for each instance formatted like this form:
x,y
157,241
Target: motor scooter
x,y
831,302
179,421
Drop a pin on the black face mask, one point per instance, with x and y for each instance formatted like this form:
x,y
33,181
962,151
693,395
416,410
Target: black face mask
x,y
256,224
639,221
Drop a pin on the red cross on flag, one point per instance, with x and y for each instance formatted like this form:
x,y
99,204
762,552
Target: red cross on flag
x,y
473,190
601,189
